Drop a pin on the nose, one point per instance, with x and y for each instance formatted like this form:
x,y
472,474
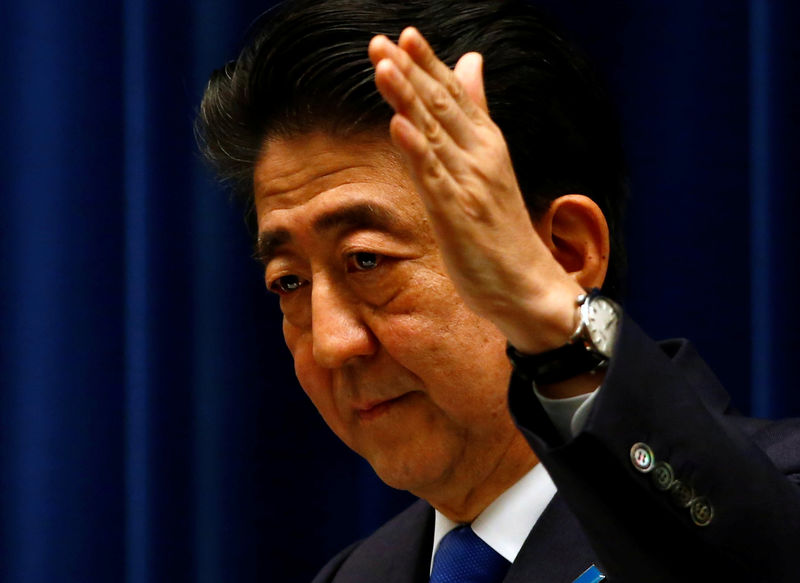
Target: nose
x,y
339,333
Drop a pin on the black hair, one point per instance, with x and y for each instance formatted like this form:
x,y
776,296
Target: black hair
x,y
306,68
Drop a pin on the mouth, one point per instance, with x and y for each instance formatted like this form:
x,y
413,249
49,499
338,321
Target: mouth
x,y
375,409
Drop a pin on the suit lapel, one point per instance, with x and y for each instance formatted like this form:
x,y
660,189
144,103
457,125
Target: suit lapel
x,y
398,552
556,550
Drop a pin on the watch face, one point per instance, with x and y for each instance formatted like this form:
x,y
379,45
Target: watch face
x,y
602,321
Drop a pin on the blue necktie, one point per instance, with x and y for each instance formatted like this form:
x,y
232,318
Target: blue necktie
x,y
462,557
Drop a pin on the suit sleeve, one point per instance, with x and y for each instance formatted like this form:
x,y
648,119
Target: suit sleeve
x,y
723,504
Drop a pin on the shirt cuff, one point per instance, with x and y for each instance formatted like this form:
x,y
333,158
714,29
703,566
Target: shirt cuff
x,y
569,414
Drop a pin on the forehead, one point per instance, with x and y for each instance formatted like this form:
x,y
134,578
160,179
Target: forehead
x,y
320,173
290,169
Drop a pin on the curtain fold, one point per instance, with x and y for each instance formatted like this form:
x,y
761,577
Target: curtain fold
x,y
775,202
150,425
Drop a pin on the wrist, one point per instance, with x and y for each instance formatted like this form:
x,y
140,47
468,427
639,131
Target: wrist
x,y
588,350
545,322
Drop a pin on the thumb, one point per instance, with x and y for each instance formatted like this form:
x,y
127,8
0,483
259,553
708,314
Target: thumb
x,y
469,72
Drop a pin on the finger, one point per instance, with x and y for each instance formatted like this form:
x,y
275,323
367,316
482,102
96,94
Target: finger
x,y
436,164
469,72
435,97
401,95
379,47
434,183
415,45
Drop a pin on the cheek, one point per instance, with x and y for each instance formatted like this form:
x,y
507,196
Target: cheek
x,y
437,328
459,356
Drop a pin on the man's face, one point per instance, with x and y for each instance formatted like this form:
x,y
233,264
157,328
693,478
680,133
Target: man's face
x,y
401,370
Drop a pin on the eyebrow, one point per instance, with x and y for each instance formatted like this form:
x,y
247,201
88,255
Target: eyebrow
x,y
359,216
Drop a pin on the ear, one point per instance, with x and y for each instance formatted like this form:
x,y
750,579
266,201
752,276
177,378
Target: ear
x,y
576,232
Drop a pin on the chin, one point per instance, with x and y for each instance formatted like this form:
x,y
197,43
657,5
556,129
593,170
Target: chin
x,y
414,473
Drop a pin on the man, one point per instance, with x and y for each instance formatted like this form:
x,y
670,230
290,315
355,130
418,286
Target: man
x,y
412,238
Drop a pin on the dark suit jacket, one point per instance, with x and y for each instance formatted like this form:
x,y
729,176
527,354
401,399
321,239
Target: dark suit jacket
x,y
609,513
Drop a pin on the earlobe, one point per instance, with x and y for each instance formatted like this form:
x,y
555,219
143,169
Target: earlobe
x,y
576,232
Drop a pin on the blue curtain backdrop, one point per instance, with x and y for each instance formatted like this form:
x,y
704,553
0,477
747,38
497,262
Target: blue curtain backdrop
x,y
150,425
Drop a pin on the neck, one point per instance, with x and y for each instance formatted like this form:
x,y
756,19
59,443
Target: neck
x,y
475,489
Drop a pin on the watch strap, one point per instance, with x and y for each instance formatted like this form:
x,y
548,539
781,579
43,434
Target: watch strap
x,y
555,365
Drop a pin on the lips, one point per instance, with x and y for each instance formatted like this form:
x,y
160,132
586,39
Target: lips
x,y
376,409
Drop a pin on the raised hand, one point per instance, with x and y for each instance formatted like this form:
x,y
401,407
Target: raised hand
x,y
459,161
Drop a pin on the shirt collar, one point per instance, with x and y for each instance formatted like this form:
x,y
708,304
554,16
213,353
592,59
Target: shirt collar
x,y
506,522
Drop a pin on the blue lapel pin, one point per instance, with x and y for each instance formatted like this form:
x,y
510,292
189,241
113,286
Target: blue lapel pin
x,y
590,575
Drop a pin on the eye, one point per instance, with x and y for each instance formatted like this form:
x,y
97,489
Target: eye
x,y
364,261
286,284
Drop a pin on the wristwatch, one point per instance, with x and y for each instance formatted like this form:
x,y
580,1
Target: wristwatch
x,y
589,348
